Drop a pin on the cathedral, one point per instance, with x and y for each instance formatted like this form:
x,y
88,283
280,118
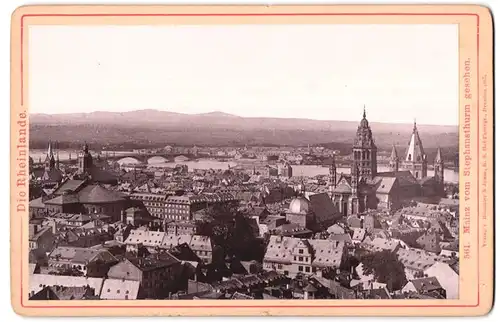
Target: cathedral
x,y
365,188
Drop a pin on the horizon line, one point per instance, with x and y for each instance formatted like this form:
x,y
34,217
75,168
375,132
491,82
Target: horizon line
x,y
249,117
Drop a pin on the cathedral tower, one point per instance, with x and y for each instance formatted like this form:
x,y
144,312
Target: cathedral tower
x,y
364,150
394,160
332,177
415,158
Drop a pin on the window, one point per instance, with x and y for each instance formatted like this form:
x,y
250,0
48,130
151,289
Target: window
x,y
301,251
301,258
301,268
308,269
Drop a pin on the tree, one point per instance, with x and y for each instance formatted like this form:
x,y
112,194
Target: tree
x,y
386,268
233,232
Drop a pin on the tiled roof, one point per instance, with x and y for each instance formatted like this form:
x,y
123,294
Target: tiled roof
x,y
153,261
323,207
358,234
69,185
385,185
37,203
80,254
417,259
38,281
426,284
380,244
114,289
326,252
63,200
97,194
40,233
54,175
167,241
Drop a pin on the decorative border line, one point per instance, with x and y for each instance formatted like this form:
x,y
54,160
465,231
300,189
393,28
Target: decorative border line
x,y
254,15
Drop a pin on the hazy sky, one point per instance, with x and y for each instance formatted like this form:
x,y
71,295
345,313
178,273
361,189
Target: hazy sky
x,y
324,72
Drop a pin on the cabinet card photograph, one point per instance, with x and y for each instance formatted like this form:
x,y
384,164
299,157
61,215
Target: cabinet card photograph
x,y
252,160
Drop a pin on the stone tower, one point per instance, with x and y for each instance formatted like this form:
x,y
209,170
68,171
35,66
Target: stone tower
x,y
394,160
84,160
439,167
415,158
364,150
332,177
355,177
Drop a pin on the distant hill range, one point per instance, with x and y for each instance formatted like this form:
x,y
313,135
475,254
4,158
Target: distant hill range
x,y
152,127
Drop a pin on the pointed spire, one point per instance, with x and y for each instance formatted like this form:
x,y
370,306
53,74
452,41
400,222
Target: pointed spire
x,y
394,153
49,150
57,160
364,111
414,124
438,156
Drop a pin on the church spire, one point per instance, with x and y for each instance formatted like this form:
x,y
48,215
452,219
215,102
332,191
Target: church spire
x,y
438,156
364,111
394,153
415,158
439,167
394,160
49,150
50,160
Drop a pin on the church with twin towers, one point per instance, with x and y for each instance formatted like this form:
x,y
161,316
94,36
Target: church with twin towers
x,y
366,188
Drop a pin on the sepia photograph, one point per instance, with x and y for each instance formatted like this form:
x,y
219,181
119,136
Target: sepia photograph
x,y
243,162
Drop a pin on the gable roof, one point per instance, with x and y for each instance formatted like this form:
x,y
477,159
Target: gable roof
x,y
69,185
385,184
326,253
53,174
37,203
323,207
80,254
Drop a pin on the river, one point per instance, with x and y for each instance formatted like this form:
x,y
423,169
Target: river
x,y
297,170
